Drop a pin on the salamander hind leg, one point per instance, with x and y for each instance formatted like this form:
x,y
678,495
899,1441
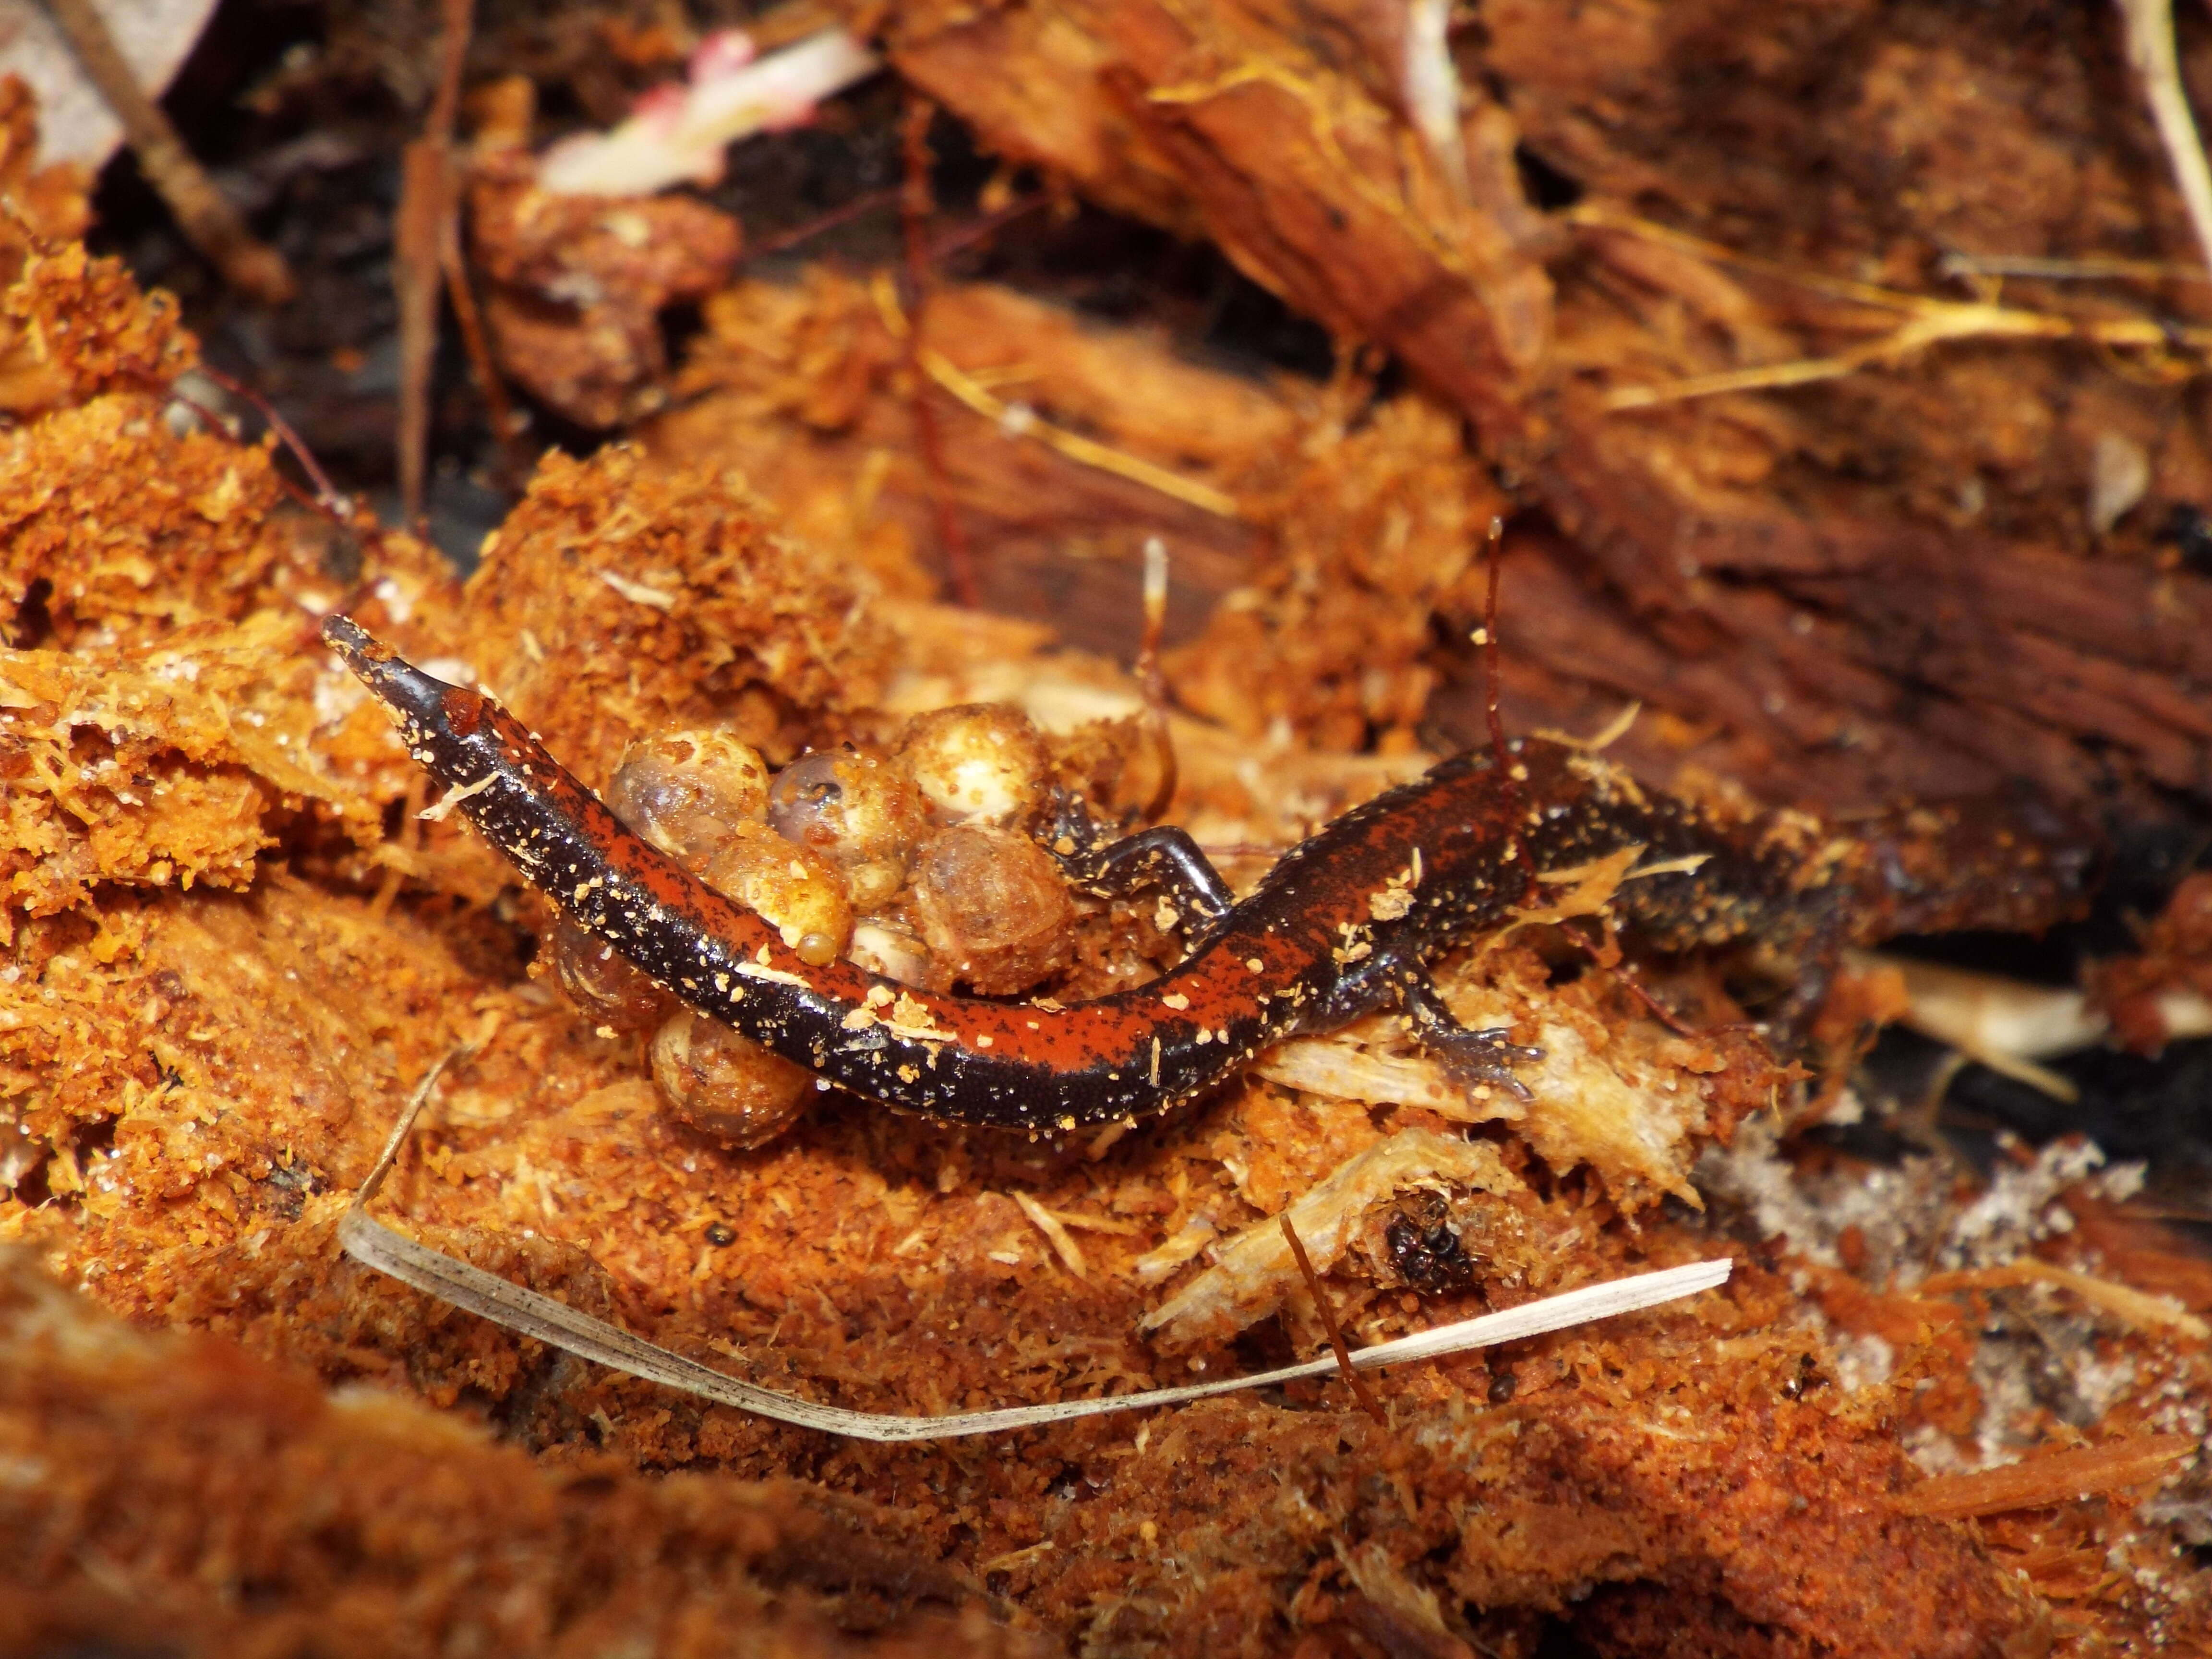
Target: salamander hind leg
x,y
1473,1058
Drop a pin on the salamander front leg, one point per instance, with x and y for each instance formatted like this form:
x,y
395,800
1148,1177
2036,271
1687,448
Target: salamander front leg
x,y
1163,857
1471,1057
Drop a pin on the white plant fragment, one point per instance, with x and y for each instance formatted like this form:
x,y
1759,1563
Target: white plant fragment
x,y
375,1245
1254,1271
2119,478
2151,50
679,133
75,123
1431,90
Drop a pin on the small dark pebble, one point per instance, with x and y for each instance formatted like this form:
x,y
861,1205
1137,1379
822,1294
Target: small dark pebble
x,y
2189,530
1425,1249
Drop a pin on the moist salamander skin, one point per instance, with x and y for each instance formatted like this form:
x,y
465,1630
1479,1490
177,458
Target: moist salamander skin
x,y
1344,923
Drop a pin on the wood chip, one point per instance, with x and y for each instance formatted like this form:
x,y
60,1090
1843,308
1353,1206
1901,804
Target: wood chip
x,y
2136,1308
2060,1478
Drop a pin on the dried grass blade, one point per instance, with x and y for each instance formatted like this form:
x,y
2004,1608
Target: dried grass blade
x,y
375,1245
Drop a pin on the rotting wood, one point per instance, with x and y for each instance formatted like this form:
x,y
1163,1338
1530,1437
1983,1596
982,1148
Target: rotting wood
x,y
1888,647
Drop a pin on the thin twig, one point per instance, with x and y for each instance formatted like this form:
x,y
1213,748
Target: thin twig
x,y
1489,643
1352,1379
784,242
1501,760
1928,321
1628,981
498,409
2085,268
401,1130
916,203
209,220
326,494
1151,681
216,421
956,240
475,342
2150,49
1020,421
1605,215
425,248
961,238
416,270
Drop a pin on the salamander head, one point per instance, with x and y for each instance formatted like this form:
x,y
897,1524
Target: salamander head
x,y
421,701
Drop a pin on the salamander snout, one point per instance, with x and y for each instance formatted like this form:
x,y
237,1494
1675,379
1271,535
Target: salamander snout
x,y
400,686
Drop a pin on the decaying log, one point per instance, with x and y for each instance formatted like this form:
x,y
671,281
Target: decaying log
x,y
1848,607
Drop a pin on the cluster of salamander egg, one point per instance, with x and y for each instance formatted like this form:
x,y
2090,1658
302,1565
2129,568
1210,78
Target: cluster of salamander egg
x,y
918,866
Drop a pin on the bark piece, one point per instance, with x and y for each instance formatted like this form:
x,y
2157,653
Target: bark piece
x,y
1704,525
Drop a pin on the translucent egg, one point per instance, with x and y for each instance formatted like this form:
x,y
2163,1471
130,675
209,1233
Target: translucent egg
x,y
993,909
687,790
865,816
796,890
980,763
724,1085
602,983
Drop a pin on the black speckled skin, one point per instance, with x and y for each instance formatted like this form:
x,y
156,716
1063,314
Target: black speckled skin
x,y
1386,886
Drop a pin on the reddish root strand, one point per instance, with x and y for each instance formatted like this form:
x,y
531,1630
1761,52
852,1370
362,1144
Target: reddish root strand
x,y
1352,1379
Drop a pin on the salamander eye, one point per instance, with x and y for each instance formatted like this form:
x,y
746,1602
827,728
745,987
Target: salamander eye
x,y
724,1085
603,983
866,816
993,909
981,763
685,791
796,890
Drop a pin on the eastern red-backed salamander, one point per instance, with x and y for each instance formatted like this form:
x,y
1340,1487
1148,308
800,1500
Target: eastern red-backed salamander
x,y
1345,923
